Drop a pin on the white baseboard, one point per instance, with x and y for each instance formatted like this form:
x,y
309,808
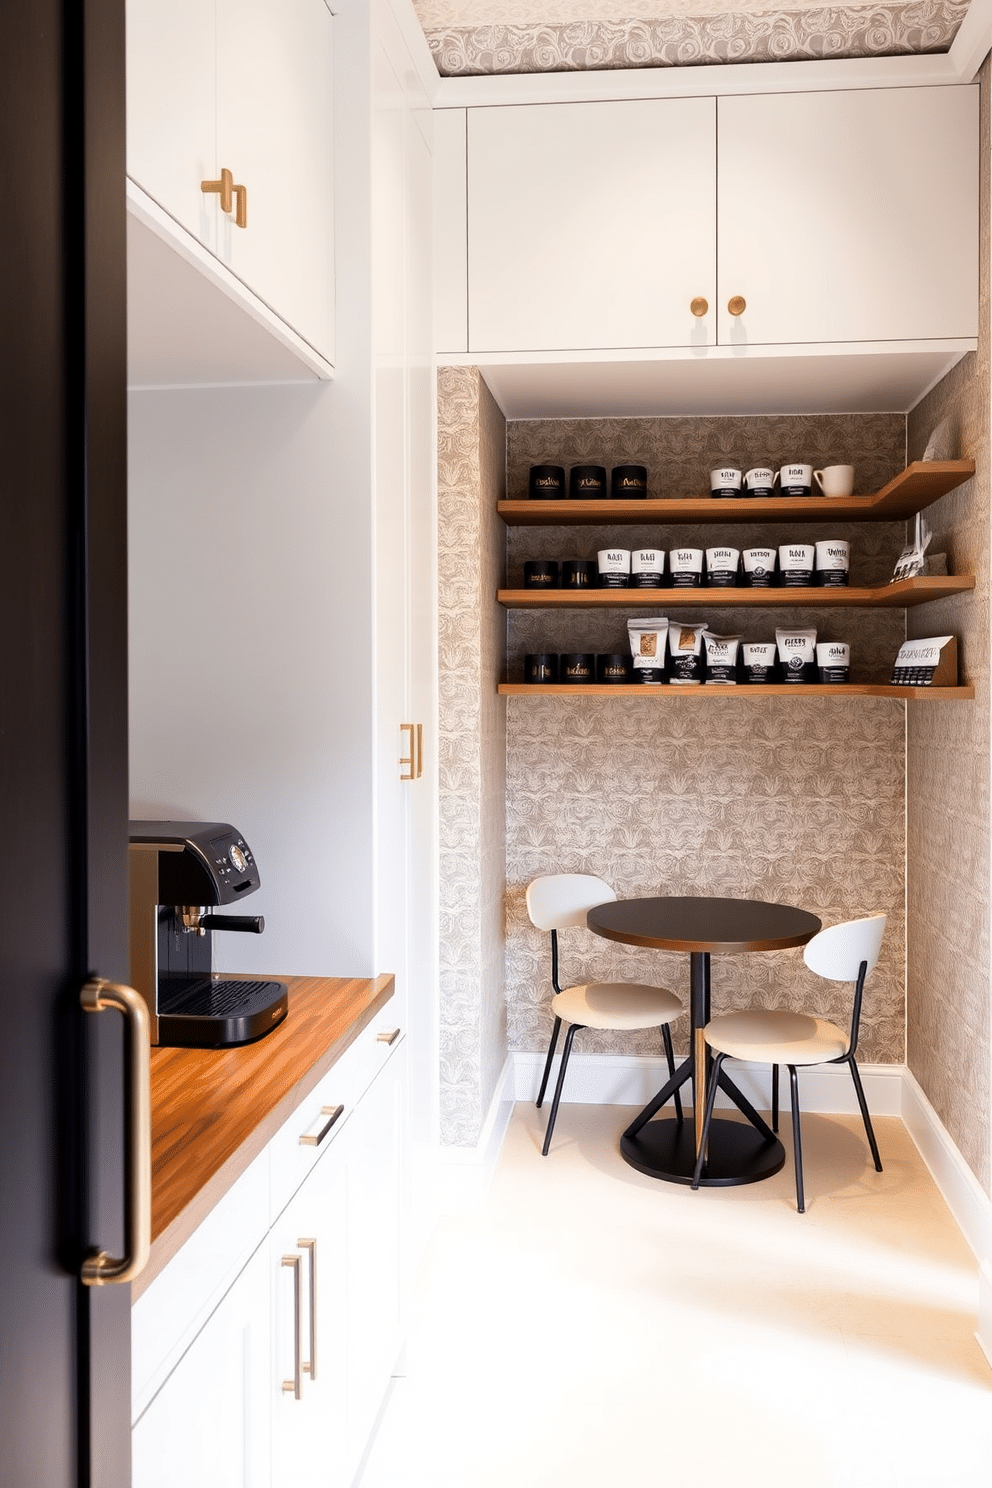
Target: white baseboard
x,y
631,1080
465,1173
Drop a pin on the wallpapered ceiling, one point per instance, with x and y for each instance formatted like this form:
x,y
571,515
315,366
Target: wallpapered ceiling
x,y
471,37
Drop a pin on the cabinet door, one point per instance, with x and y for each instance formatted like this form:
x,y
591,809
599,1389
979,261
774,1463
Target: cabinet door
x,y
208,1426
591,225
171,109
275,133
307,1259
849,216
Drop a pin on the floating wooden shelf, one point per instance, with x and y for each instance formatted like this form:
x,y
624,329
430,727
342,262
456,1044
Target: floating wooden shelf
x,y
915,488
744,690
902,595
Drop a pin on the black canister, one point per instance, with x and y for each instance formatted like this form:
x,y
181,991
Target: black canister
x,y
577,573
587,482
547,482
577,666
541,666
613,668
629,482
541,573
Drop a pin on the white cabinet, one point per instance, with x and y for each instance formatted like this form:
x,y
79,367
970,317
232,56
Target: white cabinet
x,y
208,1427
241,86
591,224
849,216
837,217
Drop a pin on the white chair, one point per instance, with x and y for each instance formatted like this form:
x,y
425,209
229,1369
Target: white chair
x,y
842,953
554,902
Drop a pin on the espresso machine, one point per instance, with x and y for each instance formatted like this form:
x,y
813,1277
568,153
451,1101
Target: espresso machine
x,y
179,873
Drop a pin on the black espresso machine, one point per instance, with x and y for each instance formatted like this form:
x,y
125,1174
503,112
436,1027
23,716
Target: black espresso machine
x,y
179,872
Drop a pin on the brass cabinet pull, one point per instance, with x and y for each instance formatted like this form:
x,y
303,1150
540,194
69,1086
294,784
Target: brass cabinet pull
x,y
295,1385
388,1036
99,1268
233,197
413,762
314,1139
737,305
699,306
224,188
310,1365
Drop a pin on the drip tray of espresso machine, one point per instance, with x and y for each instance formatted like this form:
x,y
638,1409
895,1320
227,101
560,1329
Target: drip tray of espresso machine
x,y
217,1012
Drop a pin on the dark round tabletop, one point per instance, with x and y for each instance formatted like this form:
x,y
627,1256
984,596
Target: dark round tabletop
x,y
701,924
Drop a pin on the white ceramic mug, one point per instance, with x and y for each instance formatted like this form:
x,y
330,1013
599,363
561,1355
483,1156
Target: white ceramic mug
x,y
835,480
760,481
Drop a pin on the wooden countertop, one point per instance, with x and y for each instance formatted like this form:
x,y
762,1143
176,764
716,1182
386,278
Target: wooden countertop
x,y
214,1110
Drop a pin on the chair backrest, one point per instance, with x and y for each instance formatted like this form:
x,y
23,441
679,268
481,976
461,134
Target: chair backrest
x,y
837,952
557,900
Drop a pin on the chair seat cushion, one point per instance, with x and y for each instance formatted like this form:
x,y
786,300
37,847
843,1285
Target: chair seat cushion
x,y
773,1037
616,1005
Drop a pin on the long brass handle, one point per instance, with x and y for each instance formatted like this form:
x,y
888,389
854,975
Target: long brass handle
x,y
310,1365
99,1268
295,1385
224,188
737,305
409,760
241,205
314,1139
420,750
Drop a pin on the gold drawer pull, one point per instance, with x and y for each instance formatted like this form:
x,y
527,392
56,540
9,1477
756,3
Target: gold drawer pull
x,y
314,1139
737,305
233,197
699,306
388,1036
294,1386
241,200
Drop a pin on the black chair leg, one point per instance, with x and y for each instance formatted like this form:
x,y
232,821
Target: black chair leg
x,y
666,1038
774,1098
859,1092
707,1118
547,1062
573,1029
797,1141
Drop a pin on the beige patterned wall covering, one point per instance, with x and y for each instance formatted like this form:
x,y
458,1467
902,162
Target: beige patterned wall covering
x,y
471,463
468,37
948,775
798,801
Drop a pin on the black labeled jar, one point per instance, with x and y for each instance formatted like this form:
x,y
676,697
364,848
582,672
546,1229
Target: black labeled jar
x,y
613,668
547,482
577,667
587,482
578,573
541,666
541,573
629,482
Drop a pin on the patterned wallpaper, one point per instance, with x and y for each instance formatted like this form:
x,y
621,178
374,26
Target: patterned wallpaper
x,y
471,461
468,37
798,801
948,1010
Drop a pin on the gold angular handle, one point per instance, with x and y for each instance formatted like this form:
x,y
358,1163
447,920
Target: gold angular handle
x,y
388,1036
99,1268
309,1366
225,188
241,205
699,306
737,305
294,1386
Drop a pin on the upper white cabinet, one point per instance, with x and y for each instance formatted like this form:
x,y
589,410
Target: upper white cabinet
x,y
591,224
239,92
849,216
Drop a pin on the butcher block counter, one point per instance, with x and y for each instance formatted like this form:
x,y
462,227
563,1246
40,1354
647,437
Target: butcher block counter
x,y
215,1110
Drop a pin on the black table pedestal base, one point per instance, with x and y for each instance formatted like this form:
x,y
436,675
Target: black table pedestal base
x,y
737,1153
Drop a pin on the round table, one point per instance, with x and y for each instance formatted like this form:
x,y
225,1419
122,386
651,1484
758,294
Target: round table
x,y
666,1148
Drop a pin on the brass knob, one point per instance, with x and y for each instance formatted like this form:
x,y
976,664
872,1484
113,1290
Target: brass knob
x,y
699,306
737,305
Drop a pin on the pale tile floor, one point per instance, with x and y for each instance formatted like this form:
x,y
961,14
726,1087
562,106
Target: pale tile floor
x,y
587,1327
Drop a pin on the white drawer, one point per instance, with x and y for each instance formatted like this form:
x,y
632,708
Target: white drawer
x,y
303,1139
167,1317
